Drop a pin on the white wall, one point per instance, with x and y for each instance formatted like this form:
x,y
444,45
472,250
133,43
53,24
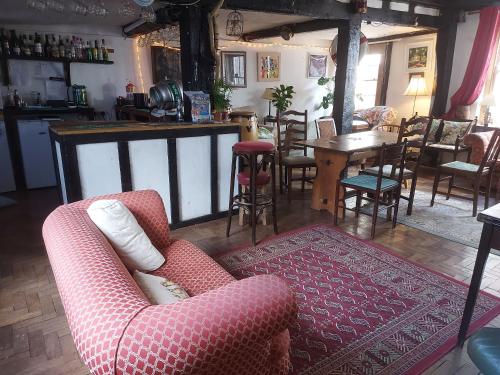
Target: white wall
x,y
293,72
466,33
104,82
399,79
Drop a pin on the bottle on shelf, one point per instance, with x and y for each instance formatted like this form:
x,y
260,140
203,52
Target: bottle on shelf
x,y
100,57
62,50
67,48
89,52
54,47
72,49
14,42
95,55
105,54
26,49
47,48
38,49
5,44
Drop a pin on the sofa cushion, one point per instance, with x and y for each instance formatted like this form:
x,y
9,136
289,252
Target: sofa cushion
x,y
452,130
129,240
434,129
159,290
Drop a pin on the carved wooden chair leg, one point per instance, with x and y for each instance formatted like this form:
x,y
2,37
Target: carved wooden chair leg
x,y
375,215
289,172
241,211
450,186
303,179
475,198
488,190
358,203
411,197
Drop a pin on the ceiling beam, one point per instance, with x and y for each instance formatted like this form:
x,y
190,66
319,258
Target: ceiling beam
x,y
332,10
295,28
401,36
472,4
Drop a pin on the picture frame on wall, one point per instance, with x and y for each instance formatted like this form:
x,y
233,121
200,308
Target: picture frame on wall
x,y
268,66
317,66
418,56
234,68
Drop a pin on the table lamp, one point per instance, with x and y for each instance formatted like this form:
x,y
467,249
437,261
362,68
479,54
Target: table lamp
x,y
488,102
268,95
416,87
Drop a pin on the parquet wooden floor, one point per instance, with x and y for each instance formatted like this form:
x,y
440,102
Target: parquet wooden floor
x,y
34,335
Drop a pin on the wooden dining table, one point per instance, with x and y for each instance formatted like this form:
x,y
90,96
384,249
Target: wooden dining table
x,y
332,157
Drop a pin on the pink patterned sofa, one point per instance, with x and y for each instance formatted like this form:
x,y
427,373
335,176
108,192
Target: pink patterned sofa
x,y
478,143
226,327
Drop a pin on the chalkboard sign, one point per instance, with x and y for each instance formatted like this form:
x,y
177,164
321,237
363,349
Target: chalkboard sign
x,y
166,64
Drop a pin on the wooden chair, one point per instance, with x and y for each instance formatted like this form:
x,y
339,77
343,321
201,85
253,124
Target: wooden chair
x,y
325,128
292,127
416,132
389,187
471,172
455,147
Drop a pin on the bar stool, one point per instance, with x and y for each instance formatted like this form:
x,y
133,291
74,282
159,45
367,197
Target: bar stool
x,y
257,175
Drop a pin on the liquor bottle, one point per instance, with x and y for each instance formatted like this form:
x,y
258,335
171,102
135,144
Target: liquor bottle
x,y
62,50
95,55
100,57
26,48
14,42
47,48
105,54
5,44
89,51
67,48
72,49
38,49
55,47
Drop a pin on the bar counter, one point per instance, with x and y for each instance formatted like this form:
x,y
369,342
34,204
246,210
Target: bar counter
x,y
188,164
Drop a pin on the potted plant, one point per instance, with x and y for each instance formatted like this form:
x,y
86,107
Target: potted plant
x,y
282,97
221,99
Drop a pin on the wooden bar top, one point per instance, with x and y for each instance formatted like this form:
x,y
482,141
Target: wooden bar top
x,y
105,127
354,142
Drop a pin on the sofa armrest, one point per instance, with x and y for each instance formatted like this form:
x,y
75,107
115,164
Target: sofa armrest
x,y
478,142
205,330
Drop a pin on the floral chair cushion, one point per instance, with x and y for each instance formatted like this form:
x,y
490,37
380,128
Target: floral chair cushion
x,y
451,131
434,128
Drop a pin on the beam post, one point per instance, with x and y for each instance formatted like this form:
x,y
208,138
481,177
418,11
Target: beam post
x,y
445,50
197,61
345,76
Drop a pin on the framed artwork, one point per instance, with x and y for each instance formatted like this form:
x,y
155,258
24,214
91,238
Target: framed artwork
x,y
316,66
166,64
418,56
234,68
268,66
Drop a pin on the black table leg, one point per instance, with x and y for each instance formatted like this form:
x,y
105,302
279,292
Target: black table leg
x,y
475,284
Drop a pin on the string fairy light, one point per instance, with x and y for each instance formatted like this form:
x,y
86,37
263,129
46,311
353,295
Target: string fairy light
x,y
270,44
139,67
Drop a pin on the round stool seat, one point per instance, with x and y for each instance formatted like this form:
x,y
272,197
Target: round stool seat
x,y
263,178
253,147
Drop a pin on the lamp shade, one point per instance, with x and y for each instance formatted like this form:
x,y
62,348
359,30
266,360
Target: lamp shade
x,y
489,101
416,87
268,94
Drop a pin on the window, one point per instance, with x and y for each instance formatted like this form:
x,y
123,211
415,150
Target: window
x,y
367,81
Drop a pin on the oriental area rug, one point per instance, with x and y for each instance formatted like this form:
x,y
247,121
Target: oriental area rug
x,y
362,309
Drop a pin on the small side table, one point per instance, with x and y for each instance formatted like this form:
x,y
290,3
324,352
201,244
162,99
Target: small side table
x,y
491,220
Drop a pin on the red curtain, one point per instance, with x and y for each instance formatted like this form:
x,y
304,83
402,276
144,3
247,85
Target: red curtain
x,y
483,52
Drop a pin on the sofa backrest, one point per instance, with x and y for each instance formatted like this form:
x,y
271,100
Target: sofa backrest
x,y
99,296
478,142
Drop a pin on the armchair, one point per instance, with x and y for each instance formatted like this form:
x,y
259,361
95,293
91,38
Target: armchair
x,y
227,326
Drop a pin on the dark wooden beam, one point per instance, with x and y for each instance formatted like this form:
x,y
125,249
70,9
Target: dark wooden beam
x,y
472,4
445,49
331,9
385,74
296,28
197,60
401,36
345,76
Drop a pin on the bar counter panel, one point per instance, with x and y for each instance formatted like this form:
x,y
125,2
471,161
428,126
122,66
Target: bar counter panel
x,y
189,165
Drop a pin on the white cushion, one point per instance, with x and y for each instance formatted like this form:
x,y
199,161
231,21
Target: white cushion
x,y
159,290
129,240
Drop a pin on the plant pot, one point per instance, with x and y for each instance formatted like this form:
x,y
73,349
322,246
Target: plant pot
x,y
218,116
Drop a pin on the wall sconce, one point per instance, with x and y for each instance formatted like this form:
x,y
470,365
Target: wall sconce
x,y
286,33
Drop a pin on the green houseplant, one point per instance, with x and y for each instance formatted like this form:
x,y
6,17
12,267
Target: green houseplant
x,y
282,97
327,100
221,99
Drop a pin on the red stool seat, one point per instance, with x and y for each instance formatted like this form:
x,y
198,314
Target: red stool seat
x,y
253,146
263,178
